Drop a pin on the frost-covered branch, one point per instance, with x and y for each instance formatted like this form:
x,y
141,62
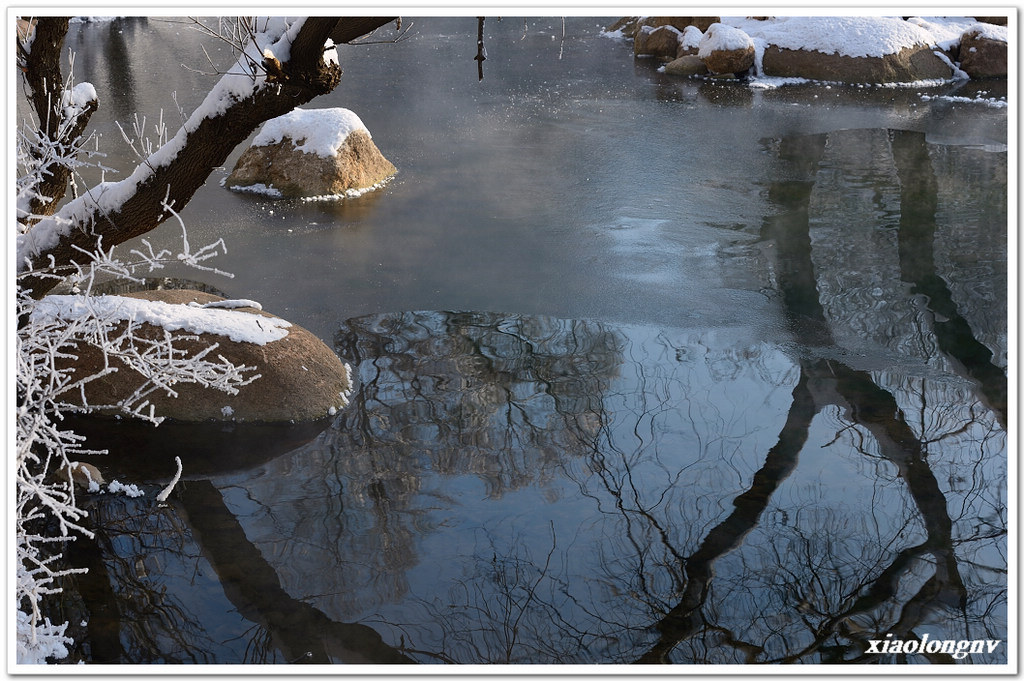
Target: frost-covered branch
x,y
57,332
237,104
61,113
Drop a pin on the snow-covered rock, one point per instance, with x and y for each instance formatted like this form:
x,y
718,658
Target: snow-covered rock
x,y
311,152
301,378
725,49
850,50
689,43
628,27
983,51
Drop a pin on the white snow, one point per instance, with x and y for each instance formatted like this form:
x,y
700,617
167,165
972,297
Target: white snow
x,y
723,37
230,304
313,131
75,100
348,193
258,188
846,36
691,37
241,327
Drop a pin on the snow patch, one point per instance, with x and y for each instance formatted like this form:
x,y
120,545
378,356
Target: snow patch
x,y
116,487
845,36
691,38
313,131
230,304
348,193
75,100
258,188
241,327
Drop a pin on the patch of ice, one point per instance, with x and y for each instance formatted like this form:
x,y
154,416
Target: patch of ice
x,y
348,193
986,101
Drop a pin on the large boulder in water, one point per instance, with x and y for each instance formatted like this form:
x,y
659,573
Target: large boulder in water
x,y
311,152
301,378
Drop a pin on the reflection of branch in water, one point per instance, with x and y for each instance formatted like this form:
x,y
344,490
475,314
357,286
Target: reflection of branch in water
x,y
686,618
132,617
507,613
300,631
918,205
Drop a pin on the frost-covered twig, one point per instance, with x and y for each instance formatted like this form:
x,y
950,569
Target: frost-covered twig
x,y
166,492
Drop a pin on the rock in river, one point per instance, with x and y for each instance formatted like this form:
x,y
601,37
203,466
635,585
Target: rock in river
x,y
311,152
301,378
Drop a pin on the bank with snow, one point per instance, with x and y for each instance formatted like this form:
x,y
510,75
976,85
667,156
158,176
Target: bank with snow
x,y
311,153
881,50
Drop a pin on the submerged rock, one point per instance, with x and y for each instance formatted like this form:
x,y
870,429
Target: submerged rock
x,y
301,378
316,152
687,65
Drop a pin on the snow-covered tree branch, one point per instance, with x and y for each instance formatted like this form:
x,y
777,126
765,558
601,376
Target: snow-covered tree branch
x,y
283,66
282,63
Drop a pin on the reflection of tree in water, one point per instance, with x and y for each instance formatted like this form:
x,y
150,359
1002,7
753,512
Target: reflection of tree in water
x,y
474,393
845,587
661,496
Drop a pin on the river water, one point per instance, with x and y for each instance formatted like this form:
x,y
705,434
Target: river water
x,y
647,370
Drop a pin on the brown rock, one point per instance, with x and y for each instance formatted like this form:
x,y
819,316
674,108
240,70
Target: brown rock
x,y
83,475
688,65
908,65
996,21
661,42
982,57
358,165
301,379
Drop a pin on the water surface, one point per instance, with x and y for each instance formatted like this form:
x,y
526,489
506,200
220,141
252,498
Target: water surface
x,y
648,370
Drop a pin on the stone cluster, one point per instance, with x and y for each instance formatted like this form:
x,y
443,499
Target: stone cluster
x,y
683,44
